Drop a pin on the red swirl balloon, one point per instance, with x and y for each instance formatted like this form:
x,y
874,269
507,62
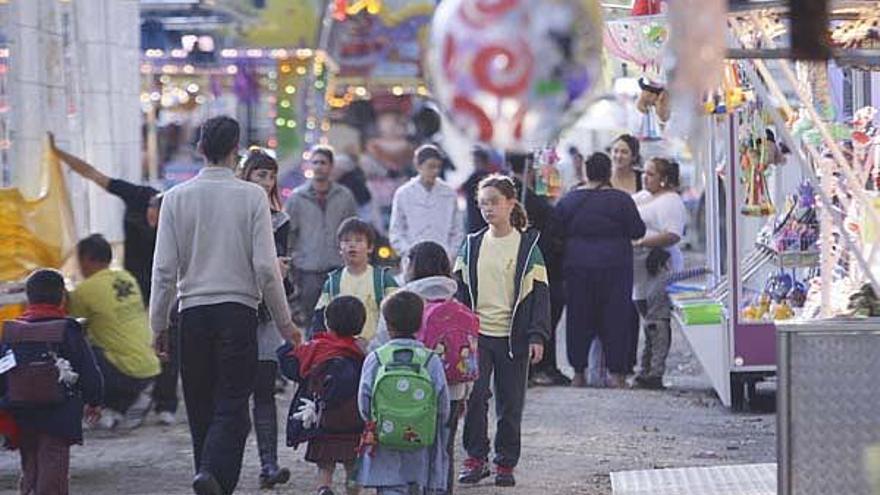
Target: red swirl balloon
x,y
480,13
467,108
513,75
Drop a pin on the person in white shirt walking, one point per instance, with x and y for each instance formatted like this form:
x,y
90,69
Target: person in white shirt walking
x,y
216,253
426,208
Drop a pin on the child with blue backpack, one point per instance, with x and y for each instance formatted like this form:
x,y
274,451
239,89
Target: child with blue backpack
x,y
324,410
404,399
358,278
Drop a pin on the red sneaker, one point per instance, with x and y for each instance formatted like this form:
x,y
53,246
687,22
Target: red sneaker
x,y
473,470
504,476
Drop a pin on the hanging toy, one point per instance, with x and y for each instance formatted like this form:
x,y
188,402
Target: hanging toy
x,y
653,102
548,180
755,167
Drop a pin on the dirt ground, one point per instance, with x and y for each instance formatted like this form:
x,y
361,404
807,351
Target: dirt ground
x,y
572,441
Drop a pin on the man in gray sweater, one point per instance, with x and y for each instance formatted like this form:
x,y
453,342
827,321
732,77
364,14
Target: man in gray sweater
x,y
215,251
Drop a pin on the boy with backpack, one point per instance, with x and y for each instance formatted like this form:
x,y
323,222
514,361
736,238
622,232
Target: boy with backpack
x,y
47,374
324,410
404,398
449,327
358,278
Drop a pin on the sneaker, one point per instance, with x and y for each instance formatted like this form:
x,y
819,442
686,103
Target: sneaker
x,y
559,378
325,490
504,476
269,479
473,470
649,383
166,418
540,379
110,419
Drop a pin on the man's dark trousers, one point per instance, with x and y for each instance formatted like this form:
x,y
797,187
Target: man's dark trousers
x,y
218,366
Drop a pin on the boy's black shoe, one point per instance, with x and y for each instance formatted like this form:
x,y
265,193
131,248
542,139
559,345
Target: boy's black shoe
x,y
205,484
504,476
473,470
649,383
277,477
325,490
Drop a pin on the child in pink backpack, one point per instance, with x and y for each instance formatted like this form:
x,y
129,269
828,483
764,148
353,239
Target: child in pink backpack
x,y
429,274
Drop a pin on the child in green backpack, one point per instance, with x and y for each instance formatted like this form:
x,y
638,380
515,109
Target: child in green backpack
x,y
358,278
404,399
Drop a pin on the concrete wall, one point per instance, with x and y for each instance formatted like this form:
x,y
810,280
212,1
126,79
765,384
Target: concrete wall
x,y
74,70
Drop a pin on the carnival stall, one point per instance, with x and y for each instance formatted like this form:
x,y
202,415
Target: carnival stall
x,y
787,152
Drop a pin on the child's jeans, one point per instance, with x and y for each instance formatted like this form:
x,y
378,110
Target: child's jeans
x,y
45,463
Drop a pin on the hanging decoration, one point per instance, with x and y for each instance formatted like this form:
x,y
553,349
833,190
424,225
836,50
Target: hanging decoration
x,y
732,93
548,180
642,42
510,78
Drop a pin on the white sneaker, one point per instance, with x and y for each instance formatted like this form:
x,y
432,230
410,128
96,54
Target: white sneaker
x,y
166,418
110,419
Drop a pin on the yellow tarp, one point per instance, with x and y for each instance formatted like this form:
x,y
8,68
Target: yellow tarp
x,y
36,232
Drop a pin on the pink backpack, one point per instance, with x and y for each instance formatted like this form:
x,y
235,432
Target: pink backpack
x,y
451,330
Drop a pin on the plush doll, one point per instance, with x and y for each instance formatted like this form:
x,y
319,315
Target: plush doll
x,y
653,96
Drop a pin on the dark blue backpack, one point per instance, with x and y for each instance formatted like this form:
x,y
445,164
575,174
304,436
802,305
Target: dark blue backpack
x,y
333,386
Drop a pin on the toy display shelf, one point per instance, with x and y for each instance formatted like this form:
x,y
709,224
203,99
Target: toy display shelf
x,y
792,259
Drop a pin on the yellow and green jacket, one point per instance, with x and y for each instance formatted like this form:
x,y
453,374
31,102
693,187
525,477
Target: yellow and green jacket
x,y
531,311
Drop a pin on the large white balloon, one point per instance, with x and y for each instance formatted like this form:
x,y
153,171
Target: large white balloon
x,y
514,73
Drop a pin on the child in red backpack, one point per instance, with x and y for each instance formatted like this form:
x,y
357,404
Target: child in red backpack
x,y
429,274
324,409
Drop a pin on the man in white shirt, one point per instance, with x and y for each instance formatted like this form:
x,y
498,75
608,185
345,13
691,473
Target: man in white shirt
x,y
216,253
426,208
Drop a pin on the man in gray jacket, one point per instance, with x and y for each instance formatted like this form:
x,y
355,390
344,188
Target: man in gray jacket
x,y
215,251
316,210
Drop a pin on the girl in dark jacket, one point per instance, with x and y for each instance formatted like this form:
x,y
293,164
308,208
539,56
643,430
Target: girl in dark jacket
x,y
507,288
261,168
598,224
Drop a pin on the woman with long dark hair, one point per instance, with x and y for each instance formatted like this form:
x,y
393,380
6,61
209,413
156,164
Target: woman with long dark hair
x,y
261,168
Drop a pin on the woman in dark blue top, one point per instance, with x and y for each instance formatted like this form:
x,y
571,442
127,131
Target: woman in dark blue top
x,y
598,224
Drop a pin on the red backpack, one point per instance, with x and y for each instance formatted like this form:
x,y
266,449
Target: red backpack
x,y
451,329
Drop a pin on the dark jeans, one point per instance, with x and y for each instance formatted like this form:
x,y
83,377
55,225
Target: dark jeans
x,y
266,415
165,386
510,375
599,302
45,463
308,291
120,390
218,365
548,363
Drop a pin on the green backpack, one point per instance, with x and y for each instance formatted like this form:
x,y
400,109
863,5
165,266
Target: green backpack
x,y
404,405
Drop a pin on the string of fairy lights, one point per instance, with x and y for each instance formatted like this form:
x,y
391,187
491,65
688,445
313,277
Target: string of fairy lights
x,y
5,97
297,87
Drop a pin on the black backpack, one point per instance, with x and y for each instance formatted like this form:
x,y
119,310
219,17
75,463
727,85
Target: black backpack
x,y
34,381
